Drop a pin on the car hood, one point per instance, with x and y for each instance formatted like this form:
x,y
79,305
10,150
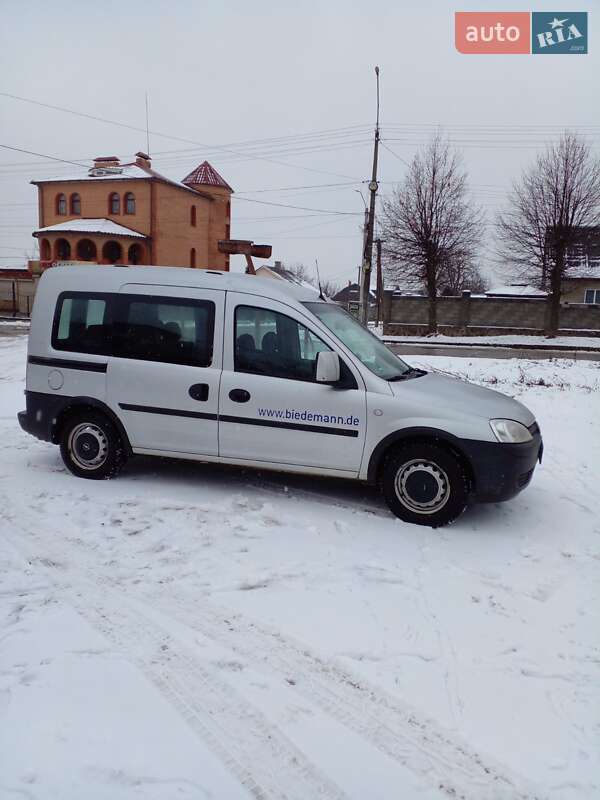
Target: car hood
x,y
461,397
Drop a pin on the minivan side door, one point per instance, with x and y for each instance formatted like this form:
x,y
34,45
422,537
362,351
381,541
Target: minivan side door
x,y
163,381
271,409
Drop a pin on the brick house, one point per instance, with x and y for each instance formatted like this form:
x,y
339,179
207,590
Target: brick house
x,y
128,213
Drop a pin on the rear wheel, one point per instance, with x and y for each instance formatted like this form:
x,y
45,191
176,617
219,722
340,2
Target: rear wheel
x,y
91,447
425,484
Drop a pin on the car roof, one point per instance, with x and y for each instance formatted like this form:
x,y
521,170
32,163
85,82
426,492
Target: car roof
x,y
105,278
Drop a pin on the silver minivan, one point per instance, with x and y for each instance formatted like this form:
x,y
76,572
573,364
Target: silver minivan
x,y
235,369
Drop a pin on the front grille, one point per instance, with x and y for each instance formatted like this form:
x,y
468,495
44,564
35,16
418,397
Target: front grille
x,y
524,478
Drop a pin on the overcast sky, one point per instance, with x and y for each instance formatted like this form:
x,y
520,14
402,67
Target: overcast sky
x,y
223,75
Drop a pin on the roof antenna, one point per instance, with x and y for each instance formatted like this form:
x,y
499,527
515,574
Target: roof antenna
x,y
147,130
319,280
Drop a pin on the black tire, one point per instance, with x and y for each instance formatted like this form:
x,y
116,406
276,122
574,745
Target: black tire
x,y
425,484
91,447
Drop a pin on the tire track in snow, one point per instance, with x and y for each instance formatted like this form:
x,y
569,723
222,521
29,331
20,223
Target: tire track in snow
x,y
251,748
264,761
381,719
419,744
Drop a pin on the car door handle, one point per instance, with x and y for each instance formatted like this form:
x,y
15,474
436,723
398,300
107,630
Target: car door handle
x,y
199,391
239,395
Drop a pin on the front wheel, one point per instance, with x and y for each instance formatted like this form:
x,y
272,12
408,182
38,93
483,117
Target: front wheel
x,y
91,447
425,484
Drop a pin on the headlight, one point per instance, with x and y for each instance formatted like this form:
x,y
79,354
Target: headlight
x,y
510,432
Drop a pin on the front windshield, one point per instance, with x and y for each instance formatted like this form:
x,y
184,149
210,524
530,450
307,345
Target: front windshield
x,y
365,346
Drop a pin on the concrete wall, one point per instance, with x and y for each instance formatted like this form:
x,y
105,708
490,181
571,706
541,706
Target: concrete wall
x,y
480,316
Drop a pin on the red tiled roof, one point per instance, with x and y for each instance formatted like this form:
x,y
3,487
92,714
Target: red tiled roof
x,y
206,175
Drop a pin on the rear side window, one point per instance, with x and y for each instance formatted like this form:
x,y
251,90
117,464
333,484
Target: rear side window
x,y
170,330
82,324
143,327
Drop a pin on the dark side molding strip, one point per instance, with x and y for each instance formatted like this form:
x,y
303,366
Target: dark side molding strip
x,y
265,423
291,426
68,363
168,412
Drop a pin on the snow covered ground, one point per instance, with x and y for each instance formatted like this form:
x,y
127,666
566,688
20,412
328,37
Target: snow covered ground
x,y
506,340
192,631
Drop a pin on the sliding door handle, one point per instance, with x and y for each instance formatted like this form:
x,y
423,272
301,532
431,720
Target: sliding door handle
x,y
199,391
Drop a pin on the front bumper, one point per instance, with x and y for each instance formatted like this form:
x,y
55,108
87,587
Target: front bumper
x,y
501,471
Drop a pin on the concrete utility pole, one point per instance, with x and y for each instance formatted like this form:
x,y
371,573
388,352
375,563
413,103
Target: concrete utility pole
x,y
368,248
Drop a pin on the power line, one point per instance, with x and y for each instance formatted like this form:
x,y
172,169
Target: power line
x,y
292,188
347,130
41,155
220,148
307,227
492,126
299,208
389,149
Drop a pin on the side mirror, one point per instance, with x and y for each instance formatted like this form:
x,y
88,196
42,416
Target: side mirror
x,y
328,367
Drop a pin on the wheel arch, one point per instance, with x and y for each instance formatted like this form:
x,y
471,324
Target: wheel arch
x,y
414,435
76,405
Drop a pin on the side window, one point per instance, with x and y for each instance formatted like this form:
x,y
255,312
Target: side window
x,y
269,343
171,330
82,324
592,296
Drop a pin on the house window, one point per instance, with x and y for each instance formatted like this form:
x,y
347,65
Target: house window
x,y
193,257
61,204
130,203
193,216
114,203
592,296
75,204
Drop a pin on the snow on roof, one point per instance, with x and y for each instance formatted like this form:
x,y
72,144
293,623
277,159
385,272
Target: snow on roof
x,y
120,172
206,174
589,269
106,226
517,290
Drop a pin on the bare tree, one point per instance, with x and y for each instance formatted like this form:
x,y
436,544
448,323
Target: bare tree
x,y
459,274
330,288
555,198
301,272
428,222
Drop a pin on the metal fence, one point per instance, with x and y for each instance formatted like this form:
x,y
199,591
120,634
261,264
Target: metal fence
x,y
16,296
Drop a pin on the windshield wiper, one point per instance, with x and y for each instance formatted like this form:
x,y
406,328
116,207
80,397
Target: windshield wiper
x,y
411,372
